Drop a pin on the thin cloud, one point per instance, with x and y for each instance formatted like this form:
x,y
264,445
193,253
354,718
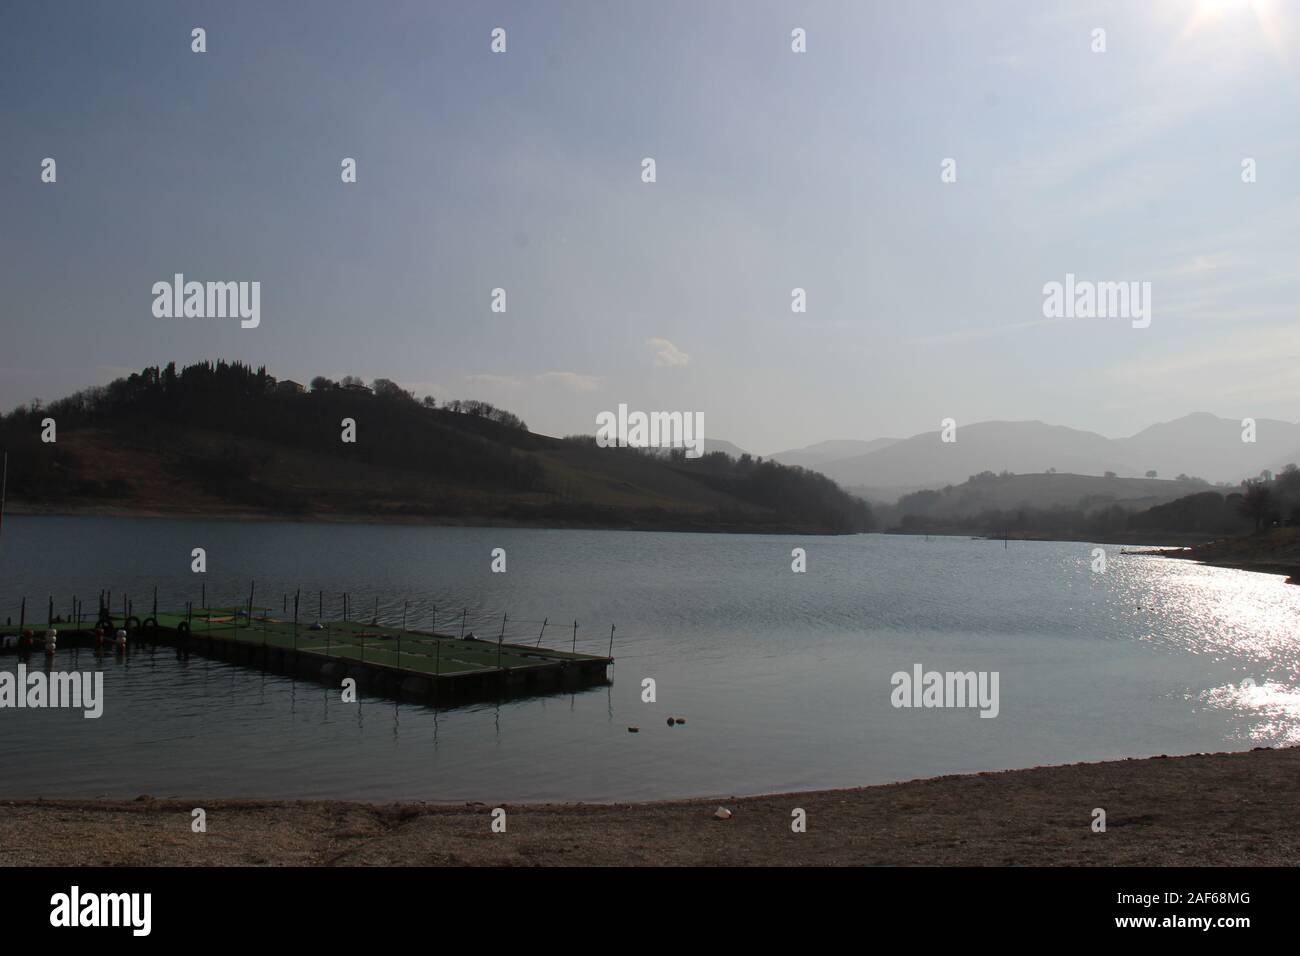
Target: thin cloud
x,y
571,380
668,355
574,381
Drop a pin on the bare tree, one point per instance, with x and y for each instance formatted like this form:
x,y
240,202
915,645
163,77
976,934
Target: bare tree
x,y
1256,501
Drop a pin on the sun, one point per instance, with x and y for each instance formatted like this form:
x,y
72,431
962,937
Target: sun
x,y
1268,15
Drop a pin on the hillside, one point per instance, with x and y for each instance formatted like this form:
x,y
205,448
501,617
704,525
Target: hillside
x,y
1211,447
824,452
1081,507
1045,491
925,461
227,440
1200,445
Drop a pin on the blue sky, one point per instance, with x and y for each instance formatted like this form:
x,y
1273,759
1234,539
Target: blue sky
x,y
775,170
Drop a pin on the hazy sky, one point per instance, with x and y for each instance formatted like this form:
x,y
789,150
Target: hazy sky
x,y
775,169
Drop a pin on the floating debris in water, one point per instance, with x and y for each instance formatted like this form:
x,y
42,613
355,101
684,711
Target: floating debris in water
x,y
634,730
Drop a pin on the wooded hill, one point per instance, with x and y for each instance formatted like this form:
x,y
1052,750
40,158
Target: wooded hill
x,y
226,439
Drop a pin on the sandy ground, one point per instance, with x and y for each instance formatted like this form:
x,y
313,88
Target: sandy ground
x,y
1205,809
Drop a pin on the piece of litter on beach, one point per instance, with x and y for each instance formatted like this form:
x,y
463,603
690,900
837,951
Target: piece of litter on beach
x,y
722,813
670,721
680,720
634,730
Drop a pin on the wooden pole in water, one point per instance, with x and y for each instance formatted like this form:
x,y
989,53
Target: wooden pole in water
x,y
501,638
575,635
462,622
22,614
376,618
320,606
203,596
155,600
49,619
543,631
611,642
399,633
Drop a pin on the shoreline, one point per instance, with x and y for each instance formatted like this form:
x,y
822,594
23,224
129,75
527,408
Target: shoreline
x,y
387,519
1239,553
1220,809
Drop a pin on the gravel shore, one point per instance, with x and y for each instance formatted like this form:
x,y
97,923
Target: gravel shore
x,y
1202,809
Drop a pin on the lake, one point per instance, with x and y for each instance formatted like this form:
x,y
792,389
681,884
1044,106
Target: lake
x,y
784,679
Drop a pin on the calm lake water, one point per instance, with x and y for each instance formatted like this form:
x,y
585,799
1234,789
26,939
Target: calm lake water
x,y
784,678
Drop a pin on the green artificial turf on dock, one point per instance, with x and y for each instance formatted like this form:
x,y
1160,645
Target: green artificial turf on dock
x,y
419,652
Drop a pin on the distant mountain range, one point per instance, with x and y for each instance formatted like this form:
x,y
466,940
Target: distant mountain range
x,y
1199,445
825,452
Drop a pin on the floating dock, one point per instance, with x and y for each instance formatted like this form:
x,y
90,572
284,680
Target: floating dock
x,y
400,663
